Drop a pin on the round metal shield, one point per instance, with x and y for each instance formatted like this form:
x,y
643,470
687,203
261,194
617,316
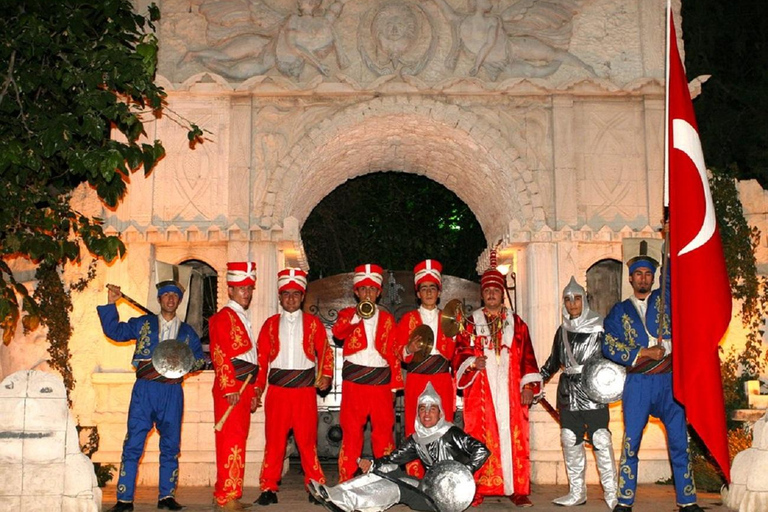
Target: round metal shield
x,y
451,318
603,380
173,359
450,485
427,342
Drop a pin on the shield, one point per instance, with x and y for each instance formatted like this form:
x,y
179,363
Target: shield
x,y
450,485
173,359
603,380
427,342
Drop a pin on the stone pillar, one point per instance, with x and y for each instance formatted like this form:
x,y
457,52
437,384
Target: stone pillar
x,y
565,153
539,288
654,154
240,175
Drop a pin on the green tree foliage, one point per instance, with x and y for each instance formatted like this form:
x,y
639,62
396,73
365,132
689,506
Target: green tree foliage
x,y
72,72
395,220
729,40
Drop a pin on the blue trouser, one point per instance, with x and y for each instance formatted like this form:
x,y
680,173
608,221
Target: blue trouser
x,y
159,405
651,395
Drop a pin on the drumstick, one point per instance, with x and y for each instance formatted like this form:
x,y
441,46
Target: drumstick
x,y
223,419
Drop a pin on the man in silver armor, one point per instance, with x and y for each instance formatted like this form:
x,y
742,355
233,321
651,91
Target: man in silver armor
x,y
577,340
384,484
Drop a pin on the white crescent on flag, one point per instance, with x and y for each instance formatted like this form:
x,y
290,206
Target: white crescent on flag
x,y
686,139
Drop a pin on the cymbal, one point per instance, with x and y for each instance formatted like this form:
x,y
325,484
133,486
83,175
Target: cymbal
x,y
427,342
452,318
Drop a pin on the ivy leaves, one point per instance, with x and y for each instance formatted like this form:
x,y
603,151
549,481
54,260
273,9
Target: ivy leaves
x,y
76,86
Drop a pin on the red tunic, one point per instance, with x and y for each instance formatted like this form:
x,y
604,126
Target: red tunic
x,y
229,338
287,408
361,401
480,413
416,382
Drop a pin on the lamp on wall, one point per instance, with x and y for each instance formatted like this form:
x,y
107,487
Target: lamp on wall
x,y
505,262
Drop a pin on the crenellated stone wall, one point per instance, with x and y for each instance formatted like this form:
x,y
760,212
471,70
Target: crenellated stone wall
x,y
553,137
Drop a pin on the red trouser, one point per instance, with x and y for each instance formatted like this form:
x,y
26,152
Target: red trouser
x,y
285,409
414,387
358,401
230,445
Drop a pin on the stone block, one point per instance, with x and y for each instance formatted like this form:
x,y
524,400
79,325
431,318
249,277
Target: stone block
x,y
43,479
10,481
45,415
11,448
40,447
10,503
40,503
11,414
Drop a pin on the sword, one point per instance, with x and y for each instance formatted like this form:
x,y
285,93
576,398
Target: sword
x,y
130,301
551,410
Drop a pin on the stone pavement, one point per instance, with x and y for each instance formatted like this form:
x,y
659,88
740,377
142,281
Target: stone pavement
x,y
292,497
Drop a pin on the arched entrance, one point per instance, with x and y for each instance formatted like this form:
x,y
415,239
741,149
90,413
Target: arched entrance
x,y
453,146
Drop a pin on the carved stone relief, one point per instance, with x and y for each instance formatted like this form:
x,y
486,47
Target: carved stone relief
x,y
528,39
489,39
250,38
395,38
192,189
613,185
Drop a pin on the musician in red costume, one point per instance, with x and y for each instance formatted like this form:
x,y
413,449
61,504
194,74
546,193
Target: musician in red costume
x,y
496,368
371,373
436,368
233,352
291,345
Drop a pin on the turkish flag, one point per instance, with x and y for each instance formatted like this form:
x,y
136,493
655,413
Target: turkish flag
x,y
701,291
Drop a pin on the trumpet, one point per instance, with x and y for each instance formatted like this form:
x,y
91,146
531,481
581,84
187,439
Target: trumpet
x,y
366,309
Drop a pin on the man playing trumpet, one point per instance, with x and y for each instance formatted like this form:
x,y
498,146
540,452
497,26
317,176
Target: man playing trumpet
x,y
235,395
371,372
291,345
435,368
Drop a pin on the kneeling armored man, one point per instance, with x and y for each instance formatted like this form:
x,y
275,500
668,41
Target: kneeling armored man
x,y
439,445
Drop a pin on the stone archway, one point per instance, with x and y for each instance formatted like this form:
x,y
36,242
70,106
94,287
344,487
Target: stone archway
x,y
448,144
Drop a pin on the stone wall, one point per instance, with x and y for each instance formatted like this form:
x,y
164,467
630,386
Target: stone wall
x,y
553,138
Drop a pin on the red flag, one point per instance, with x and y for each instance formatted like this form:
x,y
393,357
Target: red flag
x,y
701,291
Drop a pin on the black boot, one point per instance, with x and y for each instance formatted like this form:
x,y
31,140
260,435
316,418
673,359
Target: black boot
x,y
266,498
122,506
169,503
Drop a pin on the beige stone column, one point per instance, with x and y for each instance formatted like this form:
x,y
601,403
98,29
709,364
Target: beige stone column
x,y
653,110
240,170
538,293
564,155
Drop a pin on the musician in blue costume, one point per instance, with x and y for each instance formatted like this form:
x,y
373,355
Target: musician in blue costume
x,y
156,401
632,340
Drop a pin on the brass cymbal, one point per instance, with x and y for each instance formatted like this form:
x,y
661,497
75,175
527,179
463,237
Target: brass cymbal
x,y
452,318
427,342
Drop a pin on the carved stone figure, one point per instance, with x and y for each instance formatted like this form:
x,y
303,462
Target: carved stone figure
x,y
40,458
530,38
394,30
304,37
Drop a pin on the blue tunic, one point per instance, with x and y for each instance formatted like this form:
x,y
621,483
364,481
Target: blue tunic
x,y
647,395
153,404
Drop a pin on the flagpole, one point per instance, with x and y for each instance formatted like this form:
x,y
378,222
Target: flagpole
x,y
665,219
668,19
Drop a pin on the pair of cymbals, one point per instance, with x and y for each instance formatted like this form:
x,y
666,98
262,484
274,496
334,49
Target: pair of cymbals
x,y
426,340
452,318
